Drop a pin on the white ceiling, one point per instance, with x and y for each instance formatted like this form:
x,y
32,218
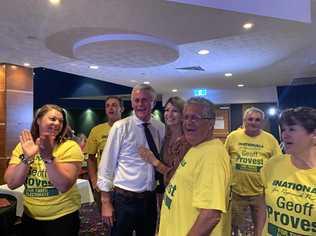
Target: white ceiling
x,y
146,40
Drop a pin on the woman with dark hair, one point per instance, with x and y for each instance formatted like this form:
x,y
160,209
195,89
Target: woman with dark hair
x,y
175,146
289,206
48,165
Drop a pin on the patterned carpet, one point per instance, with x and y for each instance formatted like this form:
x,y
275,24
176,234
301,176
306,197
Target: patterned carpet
x,y
91,224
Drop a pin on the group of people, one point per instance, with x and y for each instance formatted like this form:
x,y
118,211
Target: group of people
x,y
141,168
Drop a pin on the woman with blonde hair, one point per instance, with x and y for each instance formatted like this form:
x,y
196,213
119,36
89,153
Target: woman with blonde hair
x,y
175,146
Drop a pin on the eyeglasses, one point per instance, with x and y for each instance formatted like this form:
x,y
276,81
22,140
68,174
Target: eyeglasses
x,y
195,118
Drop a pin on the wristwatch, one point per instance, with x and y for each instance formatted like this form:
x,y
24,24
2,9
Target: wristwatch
x,y
26,160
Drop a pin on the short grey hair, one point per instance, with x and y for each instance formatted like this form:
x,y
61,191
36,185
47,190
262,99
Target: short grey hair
x,y
253,109
145,87
209,107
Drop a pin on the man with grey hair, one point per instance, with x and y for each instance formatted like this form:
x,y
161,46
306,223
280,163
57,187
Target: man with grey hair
x,y
196,199
127,183
249,148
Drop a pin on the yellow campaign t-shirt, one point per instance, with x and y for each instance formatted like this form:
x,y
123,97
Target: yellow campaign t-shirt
x,y
96,140
290,196
202,180
248,155
42,201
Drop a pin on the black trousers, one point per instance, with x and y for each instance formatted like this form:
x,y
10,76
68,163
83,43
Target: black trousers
x,y
67,225
133,213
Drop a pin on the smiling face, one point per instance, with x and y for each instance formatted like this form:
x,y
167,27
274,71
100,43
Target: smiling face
x,y
113,109
142,103
253,123
197,128
296,139
51,123
173,115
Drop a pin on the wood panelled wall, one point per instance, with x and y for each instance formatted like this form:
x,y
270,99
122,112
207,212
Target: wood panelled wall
x,y
16,108
222,124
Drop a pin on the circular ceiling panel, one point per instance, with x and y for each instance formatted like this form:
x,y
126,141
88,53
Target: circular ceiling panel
x,y
125,50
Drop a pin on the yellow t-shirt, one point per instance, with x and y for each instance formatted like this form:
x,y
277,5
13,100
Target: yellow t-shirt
x,y
97,139
290,196
42,201
248,155
202,180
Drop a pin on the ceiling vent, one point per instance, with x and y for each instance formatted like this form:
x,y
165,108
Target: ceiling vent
x,y
195,68
304,81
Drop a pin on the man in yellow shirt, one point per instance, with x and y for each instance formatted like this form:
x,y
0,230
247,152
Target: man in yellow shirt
x,y
196,200
98,137
249,148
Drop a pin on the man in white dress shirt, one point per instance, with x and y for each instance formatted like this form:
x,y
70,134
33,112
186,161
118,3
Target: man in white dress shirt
x,y
127,183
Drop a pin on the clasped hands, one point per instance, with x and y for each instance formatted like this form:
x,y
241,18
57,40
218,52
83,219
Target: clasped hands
x,y
43,145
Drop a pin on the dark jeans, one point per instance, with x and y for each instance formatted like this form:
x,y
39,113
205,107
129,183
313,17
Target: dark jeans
x,y
67,225
139,214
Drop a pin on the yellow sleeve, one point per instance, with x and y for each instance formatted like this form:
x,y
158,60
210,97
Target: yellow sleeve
x,y
263,175
15,157
68,151
91,145
227,143
277,149
212,182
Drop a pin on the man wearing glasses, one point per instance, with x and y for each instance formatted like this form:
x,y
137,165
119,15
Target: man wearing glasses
x,y
249,148
196,198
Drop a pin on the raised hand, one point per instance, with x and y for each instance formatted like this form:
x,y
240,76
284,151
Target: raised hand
x,y
28,146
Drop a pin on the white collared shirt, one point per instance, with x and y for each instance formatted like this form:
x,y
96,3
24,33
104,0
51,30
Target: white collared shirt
x,y
121,164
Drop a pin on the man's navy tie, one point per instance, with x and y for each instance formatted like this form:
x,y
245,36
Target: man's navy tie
x,y
153,148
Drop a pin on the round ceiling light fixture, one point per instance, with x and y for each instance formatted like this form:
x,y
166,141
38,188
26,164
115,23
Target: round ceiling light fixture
x,y
125,50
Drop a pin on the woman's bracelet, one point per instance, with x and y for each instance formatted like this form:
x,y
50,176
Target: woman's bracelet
x,y
26,160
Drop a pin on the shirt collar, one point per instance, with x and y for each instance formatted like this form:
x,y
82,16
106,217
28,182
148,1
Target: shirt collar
x,y
139,122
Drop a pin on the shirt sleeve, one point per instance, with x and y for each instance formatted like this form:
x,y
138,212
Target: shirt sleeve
x,y
15,157
262,176
91,146
212,183
277,149
227,143
109,159
71,152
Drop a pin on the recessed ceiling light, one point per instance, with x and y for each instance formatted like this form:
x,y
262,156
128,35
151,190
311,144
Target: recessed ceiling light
x,y
174,90
133,81
26,64
240,85
146,82
248,25
13,67
94,67
203,52
272,111
55,2
228,74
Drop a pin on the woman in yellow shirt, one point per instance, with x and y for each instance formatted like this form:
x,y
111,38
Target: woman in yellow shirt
x,y
289,206
48,165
